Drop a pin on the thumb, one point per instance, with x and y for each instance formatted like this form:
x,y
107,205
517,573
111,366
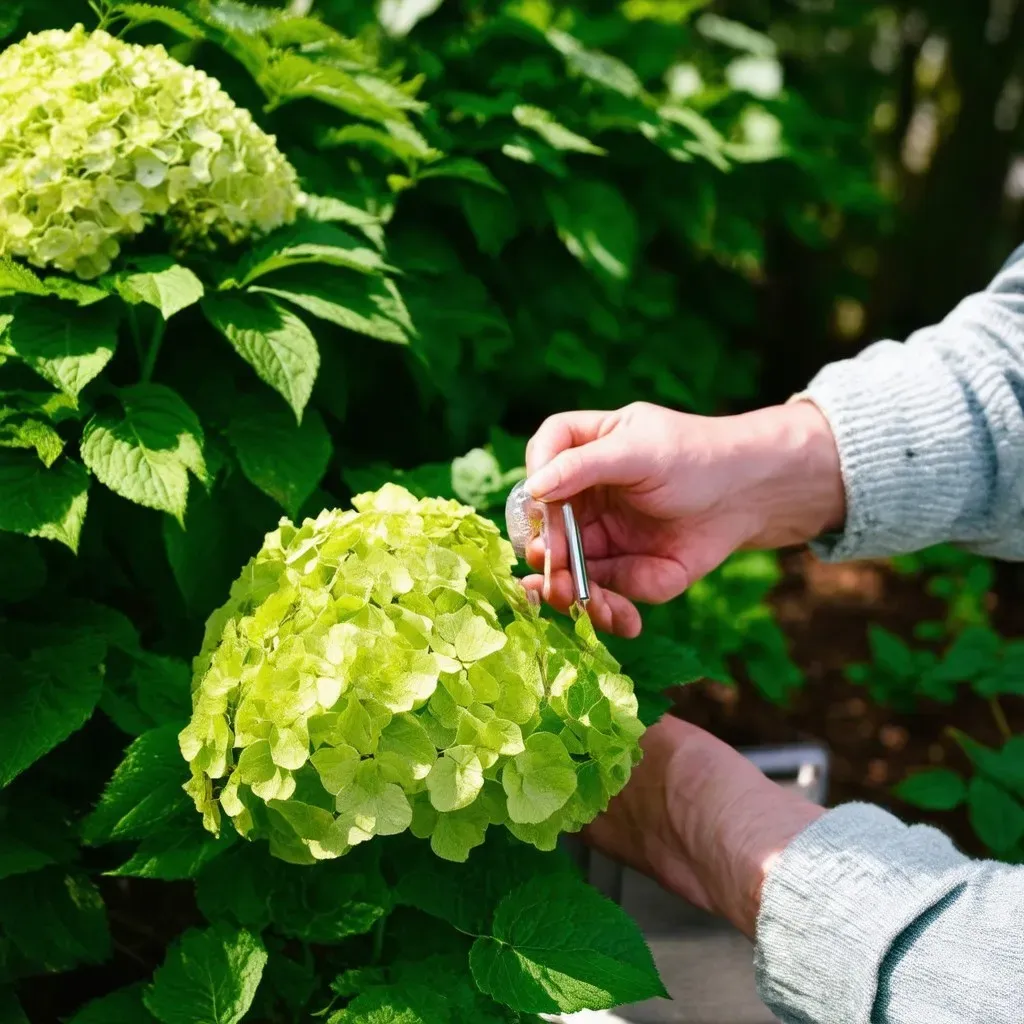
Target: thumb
x,y
602,461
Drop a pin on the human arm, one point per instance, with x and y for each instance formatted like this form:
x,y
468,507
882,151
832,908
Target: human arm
x,y
858,918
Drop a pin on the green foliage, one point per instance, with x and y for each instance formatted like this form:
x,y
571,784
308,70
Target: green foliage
x,y
507,211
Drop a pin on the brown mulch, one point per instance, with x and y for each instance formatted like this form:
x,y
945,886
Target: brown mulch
x,y
825,611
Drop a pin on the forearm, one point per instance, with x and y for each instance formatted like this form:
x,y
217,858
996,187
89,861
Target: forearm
x,y
867,921
930,433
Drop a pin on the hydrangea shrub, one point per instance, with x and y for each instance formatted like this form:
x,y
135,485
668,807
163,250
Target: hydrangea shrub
x,y
381,669
101,137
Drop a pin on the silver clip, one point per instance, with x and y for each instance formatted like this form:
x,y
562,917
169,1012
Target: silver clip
x,y
577,560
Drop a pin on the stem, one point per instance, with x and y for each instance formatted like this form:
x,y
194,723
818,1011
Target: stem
x,y
1000,716
378,939
154,349
133,323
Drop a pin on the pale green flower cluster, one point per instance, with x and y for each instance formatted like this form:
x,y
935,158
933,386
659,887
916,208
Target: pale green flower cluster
x,y
99,138
380,669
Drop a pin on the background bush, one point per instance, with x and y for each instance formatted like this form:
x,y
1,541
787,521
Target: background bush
x,y
523,207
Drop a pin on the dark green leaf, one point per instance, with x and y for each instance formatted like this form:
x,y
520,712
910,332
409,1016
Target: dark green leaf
x,y
996,817
284,460
938,789
145,452
40,502
55,920
24,568
309,242
209,976
66,346
272,340
46,698
559,946
597,226
145,794
124,1006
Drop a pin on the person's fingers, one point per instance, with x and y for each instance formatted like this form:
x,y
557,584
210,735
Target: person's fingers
x,y
605,461
610,612
561,431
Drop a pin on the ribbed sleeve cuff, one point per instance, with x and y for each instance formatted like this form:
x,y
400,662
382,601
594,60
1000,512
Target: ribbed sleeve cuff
x,y
904,430
839,896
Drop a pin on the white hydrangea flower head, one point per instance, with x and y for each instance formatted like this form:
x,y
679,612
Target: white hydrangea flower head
x,y
379,670
99,138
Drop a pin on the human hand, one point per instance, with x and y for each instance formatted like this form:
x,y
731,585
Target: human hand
x,y
664,497
701,820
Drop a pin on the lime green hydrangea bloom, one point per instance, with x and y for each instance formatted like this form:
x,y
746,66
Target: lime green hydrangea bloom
x,y
100,137
381,669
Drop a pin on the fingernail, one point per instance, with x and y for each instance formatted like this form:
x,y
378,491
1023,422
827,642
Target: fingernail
x,y
540,484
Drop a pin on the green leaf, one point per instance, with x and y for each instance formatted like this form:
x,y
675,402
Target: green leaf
x,y
466,895
938,789
566,355
10,16
554,134
395,139
600,68
176,853
400,17
153,690
209,976
466,169
66,346
397,1004
146,452
55,920
272,340
891,653
284,460
124,1006
325,904
559,946
19,432
199,554
47,697
15,278
370,306
39,502
310,242
996,817
33,832
597,226
141,14
145,795
160,282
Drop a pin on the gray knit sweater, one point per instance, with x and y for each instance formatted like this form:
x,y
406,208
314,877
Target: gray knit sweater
x,y
863,919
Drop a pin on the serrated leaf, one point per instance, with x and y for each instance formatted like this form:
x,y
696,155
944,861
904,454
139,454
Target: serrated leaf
x,y
39,502
283,459
65,345
176,854
272,340
397,1004
553,133
597,226
209,976
46,698
331,209
55,920
124,1006
938,789
996,817
20,432
394,138
144,796
370,306
465,169
161,283
467,894
559,946
152,690
311,242
145,452
287,77
15,278
601,68
141,14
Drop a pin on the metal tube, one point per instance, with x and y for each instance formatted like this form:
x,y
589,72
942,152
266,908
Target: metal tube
x,y
577,562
